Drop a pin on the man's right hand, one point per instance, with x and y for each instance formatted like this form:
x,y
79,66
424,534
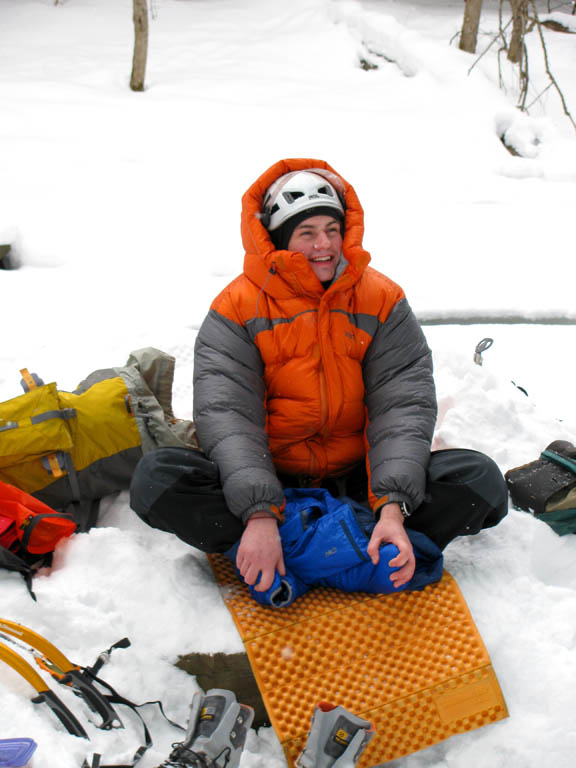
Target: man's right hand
x,y
260,552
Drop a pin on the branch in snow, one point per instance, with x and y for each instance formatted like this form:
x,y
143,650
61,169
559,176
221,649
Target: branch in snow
x,y
547,65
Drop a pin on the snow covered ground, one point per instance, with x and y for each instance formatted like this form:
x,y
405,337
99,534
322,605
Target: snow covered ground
x,y
124,209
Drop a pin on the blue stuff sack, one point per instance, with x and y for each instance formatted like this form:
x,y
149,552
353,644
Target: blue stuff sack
x,y
324,542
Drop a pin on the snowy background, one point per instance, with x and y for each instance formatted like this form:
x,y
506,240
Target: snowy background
x,y
124,210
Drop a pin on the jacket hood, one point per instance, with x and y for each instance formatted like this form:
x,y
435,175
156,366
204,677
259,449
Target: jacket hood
x,y
281,273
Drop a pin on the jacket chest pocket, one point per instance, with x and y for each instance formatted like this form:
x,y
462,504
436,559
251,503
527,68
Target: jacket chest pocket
x,y
347,340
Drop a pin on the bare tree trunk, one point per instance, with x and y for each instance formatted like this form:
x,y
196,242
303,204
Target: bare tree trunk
x,y
519,17
469,34
140,45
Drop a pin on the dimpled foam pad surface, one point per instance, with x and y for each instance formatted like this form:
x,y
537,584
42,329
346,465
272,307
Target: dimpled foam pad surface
x,y
412,663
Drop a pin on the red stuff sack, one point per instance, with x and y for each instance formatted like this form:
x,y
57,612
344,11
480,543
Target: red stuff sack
x,y
37,528
8,535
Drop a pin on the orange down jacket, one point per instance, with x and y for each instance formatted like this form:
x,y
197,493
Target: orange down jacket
x,y
295,379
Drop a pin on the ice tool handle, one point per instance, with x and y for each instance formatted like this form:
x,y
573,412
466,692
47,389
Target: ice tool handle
x,y
45,695
51,659
62,712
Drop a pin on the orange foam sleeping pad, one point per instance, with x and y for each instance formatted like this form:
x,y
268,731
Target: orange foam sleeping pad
x,y
413,663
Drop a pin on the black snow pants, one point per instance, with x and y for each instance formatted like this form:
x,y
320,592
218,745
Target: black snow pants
x,y
178,490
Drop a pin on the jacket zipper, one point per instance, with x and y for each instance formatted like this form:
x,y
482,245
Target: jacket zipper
x,y
324,402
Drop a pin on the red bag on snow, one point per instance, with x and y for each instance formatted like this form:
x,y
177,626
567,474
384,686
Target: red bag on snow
x,y
28,524
8,535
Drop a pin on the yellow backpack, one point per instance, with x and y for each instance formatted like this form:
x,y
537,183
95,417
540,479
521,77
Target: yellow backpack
x,y
69,449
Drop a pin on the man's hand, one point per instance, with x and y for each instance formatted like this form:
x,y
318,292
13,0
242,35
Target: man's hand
x,y
260,552
390,530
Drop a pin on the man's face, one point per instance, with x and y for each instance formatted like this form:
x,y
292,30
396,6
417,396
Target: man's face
x,y
319,239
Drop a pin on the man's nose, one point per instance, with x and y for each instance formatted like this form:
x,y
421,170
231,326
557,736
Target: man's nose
x,y
322,240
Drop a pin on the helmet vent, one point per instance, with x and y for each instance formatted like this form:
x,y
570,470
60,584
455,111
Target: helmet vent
x,y
290,197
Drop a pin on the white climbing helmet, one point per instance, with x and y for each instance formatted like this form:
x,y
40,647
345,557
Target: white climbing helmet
x,y
295,192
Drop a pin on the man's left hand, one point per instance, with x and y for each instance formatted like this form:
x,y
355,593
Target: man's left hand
x,y
390,530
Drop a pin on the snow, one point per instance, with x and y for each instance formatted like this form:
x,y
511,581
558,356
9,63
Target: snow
x,y
124,210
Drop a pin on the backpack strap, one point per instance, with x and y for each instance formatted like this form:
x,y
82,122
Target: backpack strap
x,y
30,380
13,562
557,458
59,463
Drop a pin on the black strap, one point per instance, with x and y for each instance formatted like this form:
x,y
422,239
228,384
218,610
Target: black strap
x,y
96,761
33,520
104,657
115,698
12,562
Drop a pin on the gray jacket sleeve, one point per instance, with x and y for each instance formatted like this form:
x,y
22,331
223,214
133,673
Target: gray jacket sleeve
x,y
230,416
401,405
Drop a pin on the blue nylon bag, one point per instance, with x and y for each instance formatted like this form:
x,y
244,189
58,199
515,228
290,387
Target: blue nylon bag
x,y
324,542
321,535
